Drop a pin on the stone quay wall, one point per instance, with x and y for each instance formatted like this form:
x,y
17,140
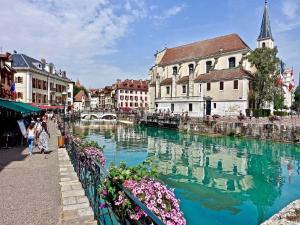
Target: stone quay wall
x,y
267,131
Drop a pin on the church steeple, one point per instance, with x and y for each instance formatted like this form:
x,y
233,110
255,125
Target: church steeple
x,y
265,38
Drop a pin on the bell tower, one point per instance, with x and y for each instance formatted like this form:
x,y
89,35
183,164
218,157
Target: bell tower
x,y
265,38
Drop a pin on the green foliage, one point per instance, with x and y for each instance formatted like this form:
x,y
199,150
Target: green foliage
x,y
76,89
93,144
280,113
261,112
264,81
279,100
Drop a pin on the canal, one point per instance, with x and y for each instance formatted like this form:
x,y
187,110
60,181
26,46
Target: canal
x,y
219,180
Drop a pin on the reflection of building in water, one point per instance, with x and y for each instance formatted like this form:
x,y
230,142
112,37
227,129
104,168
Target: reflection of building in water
x,y
217,167
129,136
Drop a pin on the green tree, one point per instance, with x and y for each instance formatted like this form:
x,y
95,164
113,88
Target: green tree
x,y
265,61
296,103
76,89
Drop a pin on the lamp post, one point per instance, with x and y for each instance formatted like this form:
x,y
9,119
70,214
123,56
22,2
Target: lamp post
x,y
64,95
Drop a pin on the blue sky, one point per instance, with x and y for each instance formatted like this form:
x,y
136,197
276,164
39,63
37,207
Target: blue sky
x,y
99,41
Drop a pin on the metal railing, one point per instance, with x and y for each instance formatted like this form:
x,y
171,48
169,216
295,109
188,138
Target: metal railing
x,y
91,175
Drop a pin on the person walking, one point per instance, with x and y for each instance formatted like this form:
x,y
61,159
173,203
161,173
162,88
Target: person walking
x,y
30,137
44,136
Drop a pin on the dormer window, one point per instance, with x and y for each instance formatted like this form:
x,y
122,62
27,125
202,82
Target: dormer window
x,y
175,70
208,66
191,69
231,62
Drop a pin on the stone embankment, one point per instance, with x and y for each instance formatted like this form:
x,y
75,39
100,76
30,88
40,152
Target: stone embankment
x,y
290,215
285,131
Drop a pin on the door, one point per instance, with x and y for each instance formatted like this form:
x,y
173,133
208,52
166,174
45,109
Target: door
x,y
208,108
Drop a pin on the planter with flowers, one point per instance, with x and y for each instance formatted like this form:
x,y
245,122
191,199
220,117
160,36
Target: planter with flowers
x,y
140,182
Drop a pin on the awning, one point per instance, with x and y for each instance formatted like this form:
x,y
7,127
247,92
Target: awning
x,y
48,107
29,107
18,107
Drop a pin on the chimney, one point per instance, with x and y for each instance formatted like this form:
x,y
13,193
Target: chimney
x,y
51,67
43,61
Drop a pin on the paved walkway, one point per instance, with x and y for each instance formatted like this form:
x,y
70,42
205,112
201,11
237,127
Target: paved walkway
x,y
29,186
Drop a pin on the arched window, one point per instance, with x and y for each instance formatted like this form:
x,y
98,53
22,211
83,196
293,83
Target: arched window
x,y
191,69
231,62
175,70
263,44
208,66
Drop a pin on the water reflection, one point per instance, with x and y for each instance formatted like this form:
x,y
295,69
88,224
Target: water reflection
x,y
227,180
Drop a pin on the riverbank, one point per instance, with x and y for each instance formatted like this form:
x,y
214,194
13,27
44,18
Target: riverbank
x,y
282,131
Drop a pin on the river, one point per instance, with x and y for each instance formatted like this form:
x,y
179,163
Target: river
x,y
219,180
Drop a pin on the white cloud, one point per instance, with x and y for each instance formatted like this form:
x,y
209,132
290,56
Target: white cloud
x,y
75,35
290,8
173,11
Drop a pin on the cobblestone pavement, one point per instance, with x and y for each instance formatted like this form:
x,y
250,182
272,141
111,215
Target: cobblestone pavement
x,y
29,186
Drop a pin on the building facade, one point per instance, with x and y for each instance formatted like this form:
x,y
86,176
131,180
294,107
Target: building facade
x,y
95,98
6,75
81,102
38,82
132,94
207,77
203,78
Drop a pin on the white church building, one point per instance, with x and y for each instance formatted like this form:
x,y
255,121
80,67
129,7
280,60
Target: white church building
x,y
206,77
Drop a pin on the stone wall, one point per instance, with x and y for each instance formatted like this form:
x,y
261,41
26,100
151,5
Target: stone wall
x,y
267,131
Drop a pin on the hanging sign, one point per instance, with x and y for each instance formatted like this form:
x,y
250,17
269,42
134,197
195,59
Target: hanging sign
x,y
22,127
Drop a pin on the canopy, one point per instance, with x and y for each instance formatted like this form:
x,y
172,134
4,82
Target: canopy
x,y
19,107
48,107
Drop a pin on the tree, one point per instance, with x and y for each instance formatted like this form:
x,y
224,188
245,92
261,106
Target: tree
x,y
296,103
265,61
76,89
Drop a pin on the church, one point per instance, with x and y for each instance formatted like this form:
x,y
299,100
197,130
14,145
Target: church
x,y
206,77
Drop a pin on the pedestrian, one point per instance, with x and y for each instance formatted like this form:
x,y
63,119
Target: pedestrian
x,y
44,136
38,129
30,137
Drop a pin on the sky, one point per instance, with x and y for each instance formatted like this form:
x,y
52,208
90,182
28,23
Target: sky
x,y
99,41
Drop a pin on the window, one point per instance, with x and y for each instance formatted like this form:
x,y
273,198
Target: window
x,y
175,70
136,98
69,94
45,85
141,98
126,91
20,80
168,90
208,66
33,97
208,86
121,91
215,105
191,107
172,107
20,95
33,82
231,62
131,98
183,89
221,85
191,69
121,104
121,97
136,104
145,98
263,44
131,104
131,92
200,88
45,98
235,84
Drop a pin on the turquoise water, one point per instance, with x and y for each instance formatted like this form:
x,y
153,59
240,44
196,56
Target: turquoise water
x,y
219,180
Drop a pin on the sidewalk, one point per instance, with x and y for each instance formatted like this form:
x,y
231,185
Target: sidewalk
x,y
29,186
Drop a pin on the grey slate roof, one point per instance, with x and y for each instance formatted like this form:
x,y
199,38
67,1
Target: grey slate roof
x,y
22,60
265,29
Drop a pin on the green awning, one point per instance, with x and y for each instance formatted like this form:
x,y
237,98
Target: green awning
x,y
29,107
19,107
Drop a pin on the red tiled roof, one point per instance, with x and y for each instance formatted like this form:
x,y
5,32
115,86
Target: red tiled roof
x,y
133,85
78,97
167,81
183,80
228,43
227,74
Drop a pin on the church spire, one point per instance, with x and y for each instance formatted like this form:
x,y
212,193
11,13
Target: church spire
x,y
265,29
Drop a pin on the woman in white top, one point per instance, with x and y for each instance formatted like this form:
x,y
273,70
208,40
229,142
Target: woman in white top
x,y
30,137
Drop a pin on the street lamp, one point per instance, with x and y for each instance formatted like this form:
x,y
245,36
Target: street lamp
x,y
64,96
